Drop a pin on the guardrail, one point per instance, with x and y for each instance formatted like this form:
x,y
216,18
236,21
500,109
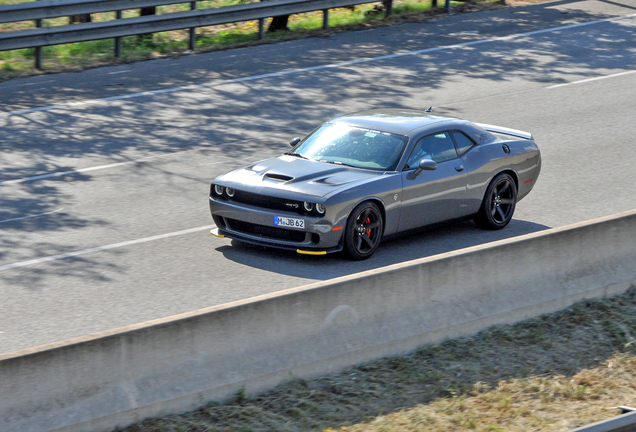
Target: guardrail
x,y
118,27
622,423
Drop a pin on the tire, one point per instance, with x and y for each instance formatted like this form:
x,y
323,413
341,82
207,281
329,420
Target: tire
x,y
499,203
364,231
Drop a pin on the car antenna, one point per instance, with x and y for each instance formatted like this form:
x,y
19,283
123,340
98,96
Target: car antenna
x,y
429,109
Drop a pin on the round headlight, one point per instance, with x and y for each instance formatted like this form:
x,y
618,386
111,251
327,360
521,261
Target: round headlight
x,y
320,208
218,190
229,192
308,206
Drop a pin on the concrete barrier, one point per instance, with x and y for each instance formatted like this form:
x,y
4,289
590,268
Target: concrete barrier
x,y
118,377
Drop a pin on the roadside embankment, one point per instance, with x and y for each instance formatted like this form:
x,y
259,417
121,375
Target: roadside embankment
x,y
552,373
121,376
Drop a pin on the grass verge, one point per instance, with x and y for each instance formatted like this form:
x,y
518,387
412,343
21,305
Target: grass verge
x,y
553,373
79,56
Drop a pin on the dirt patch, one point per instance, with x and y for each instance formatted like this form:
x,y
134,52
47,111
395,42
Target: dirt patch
x,y
555,372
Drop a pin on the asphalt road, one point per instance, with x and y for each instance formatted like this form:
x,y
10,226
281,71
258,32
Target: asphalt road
x,y
104,174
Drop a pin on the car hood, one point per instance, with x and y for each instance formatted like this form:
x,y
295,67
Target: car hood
x,y
288,174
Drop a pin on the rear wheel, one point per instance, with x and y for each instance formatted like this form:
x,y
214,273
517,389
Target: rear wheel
x,y
364,231
499,203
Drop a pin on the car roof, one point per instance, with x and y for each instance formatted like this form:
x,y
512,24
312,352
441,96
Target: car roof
x,y
398,121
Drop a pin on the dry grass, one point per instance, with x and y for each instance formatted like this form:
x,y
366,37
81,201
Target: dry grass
x,y
552,373
536,403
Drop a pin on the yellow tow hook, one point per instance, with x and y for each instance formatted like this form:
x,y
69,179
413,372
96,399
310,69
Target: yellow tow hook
x,y
304,252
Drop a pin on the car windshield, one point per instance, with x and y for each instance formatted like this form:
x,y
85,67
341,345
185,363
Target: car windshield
x,y
352,146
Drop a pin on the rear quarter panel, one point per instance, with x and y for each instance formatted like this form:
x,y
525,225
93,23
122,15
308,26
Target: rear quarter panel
x,y
485,161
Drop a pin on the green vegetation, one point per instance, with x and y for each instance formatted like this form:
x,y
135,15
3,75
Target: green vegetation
x,y
551,373
135,48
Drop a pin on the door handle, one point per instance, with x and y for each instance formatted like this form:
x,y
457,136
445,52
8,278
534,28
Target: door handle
x,y
459,168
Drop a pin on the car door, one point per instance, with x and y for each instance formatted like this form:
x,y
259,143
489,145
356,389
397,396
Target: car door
x,y
433,196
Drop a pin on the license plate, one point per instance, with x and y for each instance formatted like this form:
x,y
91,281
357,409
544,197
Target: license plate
x,y
289,222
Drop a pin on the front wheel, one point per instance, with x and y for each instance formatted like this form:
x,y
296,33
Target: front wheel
x,y
364,231
499,203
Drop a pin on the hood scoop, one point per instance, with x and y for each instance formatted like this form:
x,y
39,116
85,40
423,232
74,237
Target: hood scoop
x,y
278,177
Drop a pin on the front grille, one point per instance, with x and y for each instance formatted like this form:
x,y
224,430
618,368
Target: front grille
x,y
268,202
265,231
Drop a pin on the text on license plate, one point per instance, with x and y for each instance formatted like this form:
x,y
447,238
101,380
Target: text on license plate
x,y
289,222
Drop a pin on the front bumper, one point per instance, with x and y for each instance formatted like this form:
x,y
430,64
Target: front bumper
x,y
255,225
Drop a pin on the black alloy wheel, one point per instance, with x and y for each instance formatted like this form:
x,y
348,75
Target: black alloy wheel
x,y
499,203
364,231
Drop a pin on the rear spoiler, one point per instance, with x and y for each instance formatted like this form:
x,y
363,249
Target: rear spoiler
x,y
506,131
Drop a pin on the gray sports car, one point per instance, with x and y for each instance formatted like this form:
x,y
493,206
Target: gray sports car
x,y
361,177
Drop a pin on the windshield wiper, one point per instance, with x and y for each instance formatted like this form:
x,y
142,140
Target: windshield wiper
x,y
297,155
338,163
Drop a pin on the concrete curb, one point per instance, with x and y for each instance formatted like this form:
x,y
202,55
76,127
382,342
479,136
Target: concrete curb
x,y
118,377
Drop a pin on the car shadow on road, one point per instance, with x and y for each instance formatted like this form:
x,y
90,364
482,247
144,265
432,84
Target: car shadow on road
x,y
409,246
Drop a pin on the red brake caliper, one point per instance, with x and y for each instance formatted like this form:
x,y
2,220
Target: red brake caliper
x,y
368,221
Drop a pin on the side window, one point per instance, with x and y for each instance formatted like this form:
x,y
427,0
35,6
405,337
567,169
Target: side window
x,y
463,142
438,147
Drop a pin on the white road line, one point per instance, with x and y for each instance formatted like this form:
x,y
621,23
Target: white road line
x,y
243,163
32,216
217,163
309,69
34,83
81,170
103,248
113,165
63,173
592,79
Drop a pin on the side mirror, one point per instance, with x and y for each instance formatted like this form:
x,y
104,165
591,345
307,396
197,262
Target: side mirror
x,y
426,164
294,141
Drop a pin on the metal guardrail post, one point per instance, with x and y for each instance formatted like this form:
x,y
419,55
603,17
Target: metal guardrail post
x,y
119,28
38,50
118,39
193,30
261,28
325,19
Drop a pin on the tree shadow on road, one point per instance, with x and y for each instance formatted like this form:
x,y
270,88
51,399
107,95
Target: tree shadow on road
x,y
233,119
